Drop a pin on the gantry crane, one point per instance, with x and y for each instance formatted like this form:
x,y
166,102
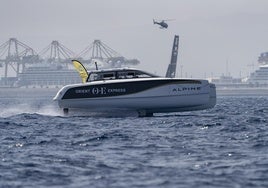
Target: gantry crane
x,y
15,54
100,51
56,52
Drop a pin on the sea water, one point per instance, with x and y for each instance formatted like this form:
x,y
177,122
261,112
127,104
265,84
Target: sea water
x,y
226,146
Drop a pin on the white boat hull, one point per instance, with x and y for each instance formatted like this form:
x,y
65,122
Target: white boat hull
x,y
163,98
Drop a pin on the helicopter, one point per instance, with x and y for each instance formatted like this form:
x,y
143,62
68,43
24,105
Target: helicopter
x,y
163,24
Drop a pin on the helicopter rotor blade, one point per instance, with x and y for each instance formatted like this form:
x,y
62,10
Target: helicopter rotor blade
x,y
169,20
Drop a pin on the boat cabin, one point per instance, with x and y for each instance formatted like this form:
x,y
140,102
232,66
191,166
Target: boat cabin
x,y
118,74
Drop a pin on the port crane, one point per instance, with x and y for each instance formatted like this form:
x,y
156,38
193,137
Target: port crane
x,y
15,54
99,51
56,52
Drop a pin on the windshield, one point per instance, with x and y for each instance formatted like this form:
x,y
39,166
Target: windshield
x,y
120,74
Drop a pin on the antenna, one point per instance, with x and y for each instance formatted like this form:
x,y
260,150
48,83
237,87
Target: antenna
x,y
96,65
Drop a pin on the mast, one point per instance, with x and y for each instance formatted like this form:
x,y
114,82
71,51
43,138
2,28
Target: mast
x,y
171,71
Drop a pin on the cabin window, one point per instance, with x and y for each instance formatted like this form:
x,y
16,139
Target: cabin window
x,y
127,74
108,76
140,74
121,75
93,77
130,74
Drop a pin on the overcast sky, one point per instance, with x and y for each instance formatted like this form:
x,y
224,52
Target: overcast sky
x,y
213,33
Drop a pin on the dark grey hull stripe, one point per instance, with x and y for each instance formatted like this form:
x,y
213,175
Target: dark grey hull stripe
x,y
118,89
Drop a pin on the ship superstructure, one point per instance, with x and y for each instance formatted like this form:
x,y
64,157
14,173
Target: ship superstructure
x,y
259,78
47,75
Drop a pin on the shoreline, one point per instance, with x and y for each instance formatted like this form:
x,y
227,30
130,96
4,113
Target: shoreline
x,y
242,91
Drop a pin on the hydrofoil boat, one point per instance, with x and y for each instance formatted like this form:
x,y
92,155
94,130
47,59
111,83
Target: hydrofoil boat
x,y
135,90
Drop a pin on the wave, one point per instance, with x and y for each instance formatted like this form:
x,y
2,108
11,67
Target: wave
x,y
24,108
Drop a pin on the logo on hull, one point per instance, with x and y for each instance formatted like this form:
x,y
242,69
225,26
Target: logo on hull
x,y
179,89
101,91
